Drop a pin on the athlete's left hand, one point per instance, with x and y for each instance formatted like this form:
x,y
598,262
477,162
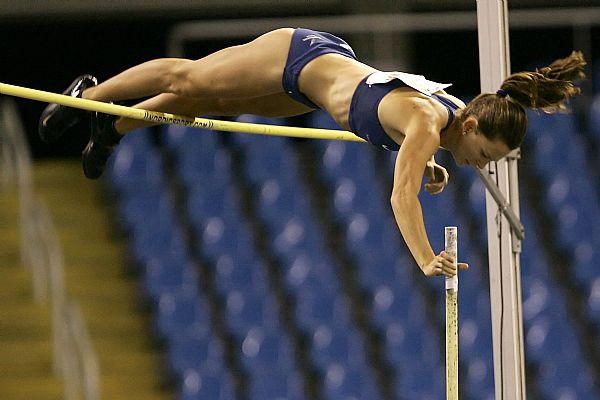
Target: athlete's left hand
x,y
438,177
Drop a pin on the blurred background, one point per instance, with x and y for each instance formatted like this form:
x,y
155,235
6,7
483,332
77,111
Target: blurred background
x,y
207,265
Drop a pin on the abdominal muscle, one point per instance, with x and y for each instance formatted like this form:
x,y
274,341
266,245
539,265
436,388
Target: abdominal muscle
x,y
330,81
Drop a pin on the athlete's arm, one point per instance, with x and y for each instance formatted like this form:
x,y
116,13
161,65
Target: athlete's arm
x,y
420,143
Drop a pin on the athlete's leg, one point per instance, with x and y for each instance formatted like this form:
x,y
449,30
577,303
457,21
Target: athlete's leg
x,y
276,105
249,70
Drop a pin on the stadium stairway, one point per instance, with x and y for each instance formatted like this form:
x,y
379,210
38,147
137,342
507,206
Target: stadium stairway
x,y
25,334
95,277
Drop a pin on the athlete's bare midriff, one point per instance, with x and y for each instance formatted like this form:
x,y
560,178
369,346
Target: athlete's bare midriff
x,y
330,81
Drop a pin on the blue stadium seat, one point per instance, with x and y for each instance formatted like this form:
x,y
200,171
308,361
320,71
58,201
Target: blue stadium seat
x,y
575,207
337,345
532,263
594,117
155,240
210,199
560,157
218,237
479,378
316,306
268,350
306,273
397,302
320,119
206,383
135,164
414,381
248,309
151,205
344,383
471,334
273,384
181,313
240,272
564,377
280,199
407,344
295,235
177,137
197,350
269,157
197,164
345,159
377,267
548,329
593,302
170,274
364,234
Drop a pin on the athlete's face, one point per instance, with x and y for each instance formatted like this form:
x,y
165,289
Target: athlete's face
x,y
475,149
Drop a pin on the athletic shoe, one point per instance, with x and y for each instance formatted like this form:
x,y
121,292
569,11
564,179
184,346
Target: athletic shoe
x,y
103,140
56,119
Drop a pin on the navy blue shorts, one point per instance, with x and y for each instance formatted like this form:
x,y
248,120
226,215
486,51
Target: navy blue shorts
x,y
306,46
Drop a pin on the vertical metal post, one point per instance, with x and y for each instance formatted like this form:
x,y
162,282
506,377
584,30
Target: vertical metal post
x,y
503,245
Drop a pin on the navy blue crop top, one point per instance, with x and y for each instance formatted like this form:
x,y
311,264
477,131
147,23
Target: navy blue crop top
x,y
363,118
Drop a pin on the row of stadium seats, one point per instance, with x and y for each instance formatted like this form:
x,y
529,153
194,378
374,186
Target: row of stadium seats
x,y
398,305
559,158
320,311
550,337
169,278
320,308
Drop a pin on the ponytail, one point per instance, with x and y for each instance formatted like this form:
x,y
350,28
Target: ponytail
x,y
547,88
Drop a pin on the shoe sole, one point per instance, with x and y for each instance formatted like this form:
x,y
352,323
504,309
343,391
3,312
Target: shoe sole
x,y
49,135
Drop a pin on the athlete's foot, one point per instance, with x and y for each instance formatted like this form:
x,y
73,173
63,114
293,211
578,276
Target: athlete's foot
x,y
57,119
103,140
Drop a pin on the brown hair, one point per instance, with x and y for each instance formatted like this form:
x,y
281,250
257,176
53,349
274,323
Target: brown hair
x,y
503,115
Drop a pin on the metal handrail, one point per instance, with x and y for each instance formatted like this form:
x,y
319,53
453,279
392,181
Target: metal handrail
x,y
89,361
73,354
15,145
376,23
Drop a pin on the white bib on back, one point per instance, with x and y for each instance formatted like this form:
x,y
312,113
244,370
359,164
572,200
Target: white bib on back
x,y
417,82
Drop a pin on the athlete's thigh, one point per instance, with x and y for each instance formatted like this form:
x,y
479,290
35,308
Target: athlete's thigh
x,y
249,70
274,105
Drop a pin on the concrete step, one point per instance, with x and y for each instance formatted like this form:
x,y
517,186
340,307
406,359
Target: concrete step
x,y
96,271
30,388
129,383
11,234
118,326
130,362
119,291
20,313
26,357
96,279
151,395
15,283
12,275
25,366
138,343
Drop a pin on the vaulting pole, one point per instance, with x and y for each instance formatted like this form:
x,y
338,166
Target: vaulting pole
x,y
166,118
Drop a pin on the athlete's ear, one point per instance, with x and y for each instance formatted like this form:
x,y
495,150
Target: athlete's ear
x,y
470,125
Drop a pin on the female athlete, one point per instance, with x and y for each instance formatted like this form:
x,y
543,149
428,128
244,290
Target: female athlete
x,y
289,72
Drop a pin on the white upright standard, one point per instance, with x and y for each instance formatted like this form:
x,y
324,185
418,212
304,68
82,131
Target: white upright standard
x,y
504,246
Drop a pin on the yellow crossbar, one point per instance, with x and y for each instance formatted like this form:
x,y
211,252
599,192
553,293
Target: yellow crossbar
x,y
166,118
